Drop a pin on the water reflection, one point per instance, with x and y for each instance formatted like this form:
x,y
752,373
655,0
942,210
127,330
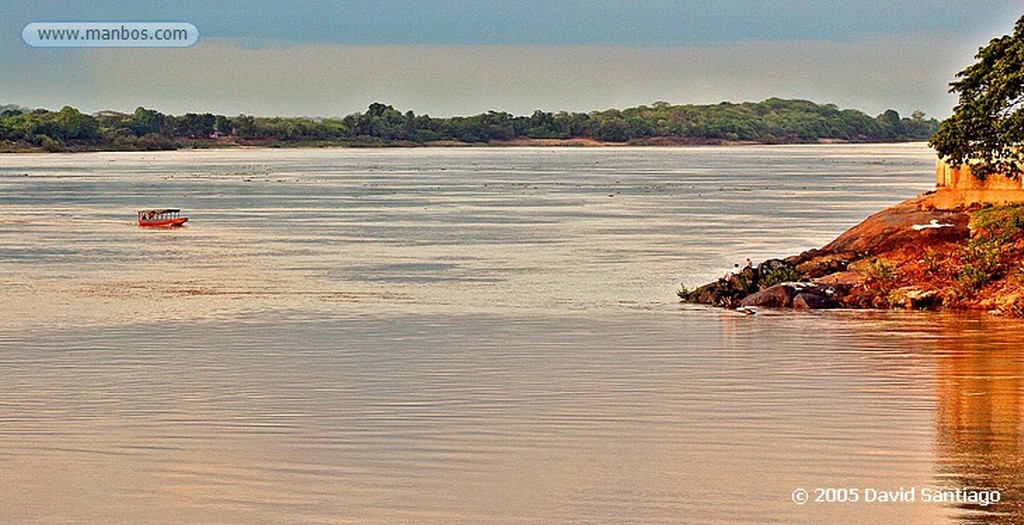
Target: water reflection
x,y
980,416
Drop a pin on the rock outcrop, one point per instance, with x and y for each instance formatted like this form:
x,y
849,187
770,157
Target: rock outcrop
x,y
910,255
797,295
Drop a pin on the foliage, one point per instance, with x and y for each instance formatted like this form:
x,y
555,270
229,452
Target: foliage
x,y
781,274
745,281
999,222
51,146
987,125
972,277
932,260
981,261
771,121
987,255
880,270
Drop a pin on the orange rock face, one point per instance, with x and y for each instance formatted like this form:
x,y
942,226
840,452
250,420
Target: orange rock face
x,y
893,229
915,255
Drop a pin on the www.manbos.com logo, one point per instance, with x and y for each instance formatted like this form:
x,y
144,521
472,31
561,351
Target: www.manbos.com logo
x,y
110,34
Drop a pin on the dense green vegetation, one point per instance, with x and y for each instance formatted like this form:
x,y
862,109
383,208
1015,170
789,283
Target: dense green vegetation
x,y
772,121
987,126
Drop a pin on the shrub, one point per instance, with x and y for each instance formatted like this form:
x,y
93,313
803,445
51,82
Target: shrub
x,y
779,275
998,223
879,270
971,278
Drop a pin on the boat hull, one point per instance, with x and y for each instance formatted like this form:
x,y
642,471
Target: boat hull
x,y
165,223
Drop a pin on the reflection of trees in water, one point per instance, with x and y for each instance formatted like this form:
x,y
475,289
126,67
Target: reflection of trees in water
x,y
980,420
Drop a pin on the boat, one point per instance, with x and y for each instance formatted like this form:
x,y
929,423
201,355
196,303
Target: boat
x,y
166,218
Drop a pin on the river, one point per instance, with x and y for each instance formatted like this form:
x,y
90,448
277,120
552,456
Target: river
x,y
476,335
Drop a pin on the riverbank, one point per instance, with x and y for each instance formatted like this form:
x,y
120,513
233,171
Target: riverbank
x,y
154,144
911,255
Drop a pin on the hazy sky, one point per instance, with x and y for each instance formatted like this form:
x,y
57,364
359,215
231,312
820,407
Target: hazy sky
x,y
447,57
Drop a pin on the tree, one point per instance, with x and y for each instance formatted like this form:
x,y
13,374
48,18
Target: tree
x,y
891,120
75,125
244,126
146,121
987,126
195,126
222,125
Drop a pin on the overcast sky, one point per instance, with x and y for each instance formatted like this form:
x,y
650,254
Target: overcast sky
x,y
447,57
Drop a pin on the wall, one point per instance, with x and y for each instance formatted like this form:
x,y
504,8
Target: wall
x,y
956,186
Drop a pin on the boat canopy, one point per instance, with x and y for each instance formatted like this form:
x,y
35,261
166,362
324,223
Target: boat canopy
x,y
161,217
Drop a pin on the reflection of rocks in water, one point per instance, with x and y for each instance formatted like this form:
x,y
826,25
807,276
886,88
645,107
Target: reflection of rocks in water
x,y
980,435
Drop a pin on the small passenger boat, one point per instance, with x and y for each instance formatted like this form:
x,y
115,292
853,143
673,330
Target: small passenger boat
x,y
161,218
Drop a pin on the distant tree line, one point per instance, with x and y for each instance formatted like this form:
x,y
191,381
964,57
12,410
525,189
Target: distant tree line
x,y
773,121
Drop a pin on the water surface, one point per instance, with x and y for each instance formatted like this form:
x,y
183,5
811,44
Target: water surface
x,y
472,336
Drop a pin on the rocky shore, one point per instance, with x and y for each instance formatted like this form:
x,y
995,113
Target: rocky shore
x,y
911,255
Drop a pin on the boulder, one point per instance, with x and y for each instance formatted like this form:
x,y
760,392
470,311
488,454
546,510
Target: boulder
x,y
813,301
823,265
778,296
829,290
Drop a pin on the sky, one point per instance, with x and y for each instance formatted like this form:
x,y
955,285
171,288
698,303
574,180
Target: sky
x,y
460,57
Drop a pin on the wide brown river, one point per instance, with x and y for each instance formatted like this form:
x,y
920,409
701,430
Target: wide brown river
x,y
477,336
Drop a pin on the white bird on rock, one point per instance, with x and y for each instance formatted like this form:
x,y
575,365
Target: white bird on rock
x,y
934,224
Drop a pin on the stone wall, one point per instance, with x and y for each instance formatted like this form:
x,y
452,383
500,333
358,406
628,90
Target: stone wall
x,y
956,186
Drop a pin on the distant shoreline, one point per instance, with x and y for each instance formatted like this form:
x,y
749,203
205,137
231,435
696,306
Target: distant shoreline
x,y
579,142
772,121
